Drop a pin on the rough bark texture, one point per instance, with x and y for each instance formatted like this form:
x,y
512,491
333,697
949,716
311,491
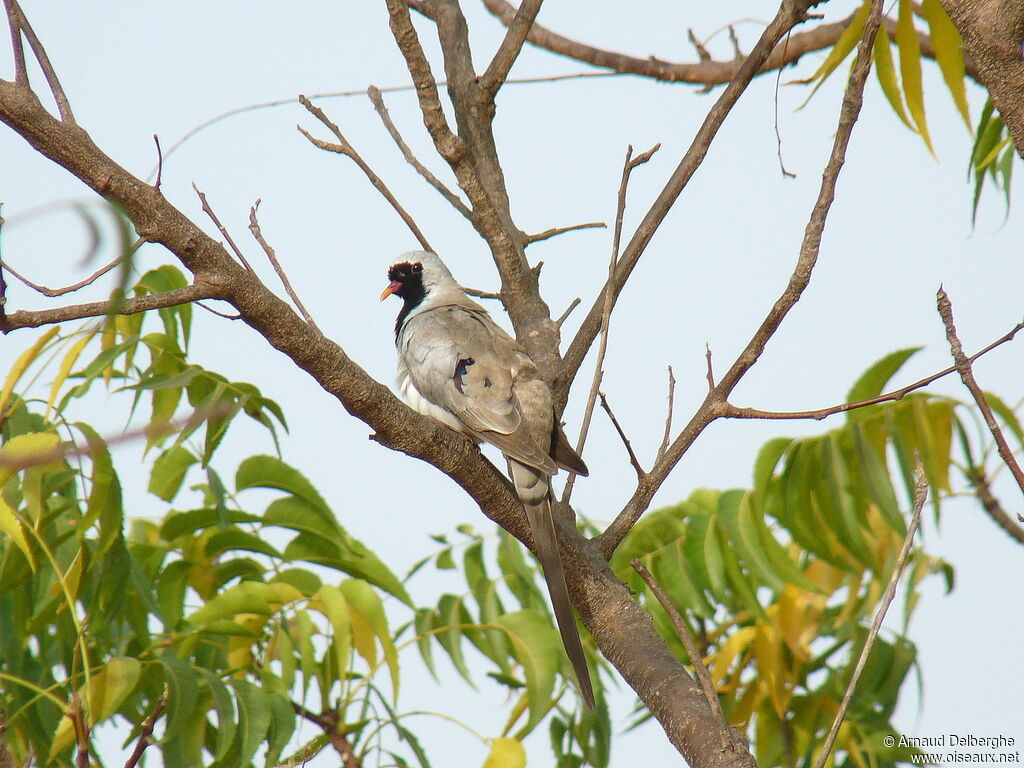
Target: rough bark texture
x,y
993,33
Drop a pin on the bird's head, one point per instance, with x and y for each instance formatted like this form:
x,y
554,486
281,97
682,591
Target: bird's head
x,y
416,276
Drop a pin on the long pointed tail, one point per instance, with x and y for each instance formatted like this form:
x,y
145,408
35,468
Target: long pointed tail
x,y
542,523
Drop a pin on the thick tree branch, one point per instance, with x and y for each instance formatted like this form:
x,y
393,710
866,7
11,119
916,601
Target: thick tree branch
x,y
992,31
518,29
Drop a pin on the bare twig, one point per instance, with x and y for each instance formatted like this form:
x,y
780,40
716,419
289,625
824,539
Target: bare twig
x,y
668,417
976,477
963,367
159,161
628,164
518,28
548,233
81,728
920,494
343,147
122,306
775,115
254,227
378,104
17,45
640,472
145,734
3,280
791,13
683,631
54,292
710,375
568,311
328,722
730,411
481,294
218,313
222,229
702,52
714,404
63,105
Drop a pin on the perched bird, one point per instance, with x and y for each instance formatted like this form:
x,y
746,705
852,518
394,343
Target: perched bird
x,y
457,365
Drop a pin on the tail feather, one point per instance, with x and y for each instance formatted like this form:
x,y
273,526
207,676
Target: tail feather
x,y
542,524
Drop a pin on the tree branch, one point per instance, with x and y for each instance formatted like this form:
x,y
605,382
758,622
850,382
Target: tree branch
x,y
343,147
518,28
978,480
713,406
920,495
791,13
126,306
963,367
378,104
18,21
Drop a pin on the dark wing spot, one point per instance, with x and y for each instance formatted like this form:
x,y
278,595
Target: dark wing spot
x,y
487,382
460,371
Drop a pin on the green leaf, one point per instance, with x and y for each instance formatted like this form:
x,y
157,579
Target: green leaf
x,y
282,725
1006,415
948,53
450,617
169,470
271,472
226,720
764,467
235,539
536,646
254,718
734,512
182,693
105,496
872,382
910,68
171,584
186,523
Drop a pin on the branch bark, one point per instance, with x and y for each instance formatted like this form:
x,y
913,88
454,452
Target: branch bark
x,y
993,32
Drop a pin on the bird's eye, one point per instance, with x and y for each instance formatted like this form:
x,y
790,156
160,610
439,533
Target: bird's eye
x,y
417,268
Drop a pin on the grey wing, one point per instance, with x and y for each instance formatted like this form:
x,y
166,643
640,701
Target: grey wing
x,y
460,360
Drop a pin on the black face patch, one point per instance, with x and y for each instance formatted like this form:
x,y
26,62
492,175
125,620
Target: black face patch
x,y
460,371
410,277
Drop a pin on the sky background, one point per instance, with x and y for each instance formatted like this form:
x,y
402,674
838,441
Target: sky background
x,y
900,227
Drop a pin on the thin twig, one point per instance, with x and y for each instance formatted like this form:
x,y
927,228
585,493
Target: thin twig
x,y
710,375
222,229
17,45
683,631
640,472
63,105
549,233
730,411
145,734
775,107
568,311
328,722
218,313
159,161
668,418
702,52
254,227
121,306
343,147
628,165
378,104
480,294
81,728
512,44
976,477
920,494
55,292
963,367
3,280
715,404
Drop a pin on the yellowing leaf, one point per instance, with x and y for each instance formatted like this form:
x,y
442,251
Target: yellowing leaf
x,y
66,365
886,72
731,648
10,526
21,365
28,450
846,43
948,53
910,68
100,697
505,753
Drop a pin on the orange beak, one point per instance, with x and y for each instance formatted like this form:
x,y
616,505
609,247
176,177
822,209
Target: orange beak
x,y
395,287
